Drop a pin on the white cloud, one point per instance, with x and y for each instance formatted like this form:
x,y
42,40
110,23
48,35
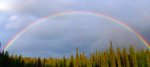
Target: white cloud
x,y
14,17
18,22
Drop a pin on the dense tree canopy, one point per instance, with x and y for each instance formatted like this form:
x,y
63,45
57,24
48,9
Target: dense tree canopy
x,y
108,58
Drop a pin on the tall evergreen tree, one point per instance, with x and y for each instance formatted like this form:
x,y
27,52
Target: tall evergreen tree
x,y
77,58
133,57
112,56
71,64
148,57
104,60
64,61
118,57
125,58
39,63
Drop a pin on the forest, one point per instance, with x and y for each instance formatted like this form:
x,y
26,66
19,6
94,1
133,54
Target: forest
x,y
109,58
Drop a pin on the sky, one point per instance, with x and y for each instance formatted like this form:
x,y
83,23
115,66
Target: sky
x,y
59,36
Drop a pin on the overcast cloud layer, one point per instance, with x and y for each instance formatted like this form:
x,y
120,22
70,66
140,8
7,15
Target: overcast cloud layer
x,y
60,36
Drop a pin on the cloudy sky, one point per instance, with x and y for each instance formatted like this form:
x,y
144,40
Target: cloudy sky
x,y
59,36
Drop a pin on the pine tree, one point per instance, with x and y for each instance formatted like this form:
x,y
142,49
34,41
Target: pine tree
x,y
148,57
77,58
112,55
104,60
133,57
71,64
39,63
125,58
97,59
118,57
82,60
64,61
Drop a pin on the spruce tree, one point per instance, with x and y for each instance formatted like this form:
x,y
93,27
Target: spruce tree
x,y
112,56
71,64
118,57
77,58
133,57
39,63
125,58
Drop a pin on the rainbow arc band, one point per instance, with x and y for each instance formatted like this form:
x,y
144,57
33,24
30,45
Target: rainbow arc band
x,y
116,21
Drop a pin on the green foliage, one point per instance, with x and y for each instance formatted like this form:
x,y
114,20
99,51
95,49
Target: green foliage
x,y
109,58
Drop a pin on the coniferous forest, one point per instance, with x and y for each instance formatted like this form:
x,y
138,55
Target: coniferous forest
x,y
108,58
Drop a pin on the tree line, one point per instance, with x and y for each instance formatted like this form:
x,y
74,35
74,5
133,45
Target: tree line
x,y
108,58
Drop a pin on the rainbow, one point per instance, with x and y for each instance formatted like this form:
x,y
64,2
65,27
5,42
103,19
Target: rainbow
x,y
121,23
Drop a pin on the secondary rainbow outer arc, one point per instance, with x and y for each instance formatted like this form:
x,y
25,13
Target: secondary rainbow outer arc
x,y
123,24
